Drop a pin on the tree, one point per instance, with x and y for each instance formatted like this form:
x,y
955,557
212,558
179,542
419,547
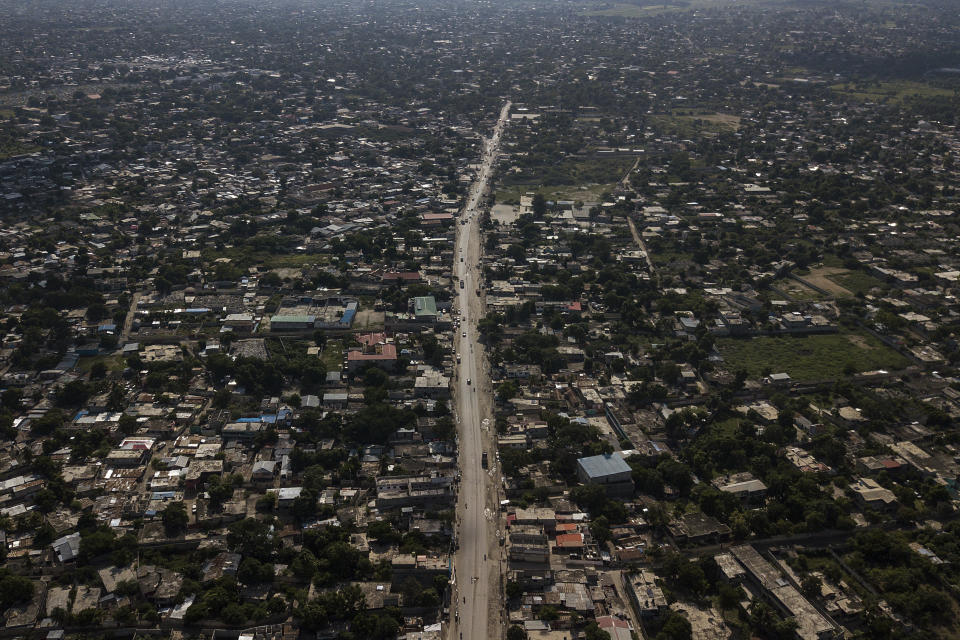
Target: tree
x,y
593,632
539,206
516,632
175,518
72,394
128,425
675,627
600,528
252,571
98,370
810,586
220,490
252,537
14,589
507,390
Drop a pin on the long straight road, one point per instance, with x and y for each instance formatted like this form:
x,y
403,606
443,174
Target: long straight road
x,y
476,579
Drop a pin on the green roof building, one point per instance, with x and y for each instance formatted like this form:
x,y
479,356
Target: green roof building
x,y
425,307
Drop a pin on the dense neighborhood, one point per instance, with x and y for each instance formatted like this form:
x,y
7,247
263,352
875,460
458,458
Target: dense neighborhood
x,y
581,320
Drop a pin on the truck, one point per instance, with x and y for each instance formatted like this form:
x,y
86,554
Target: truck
x,y
483,459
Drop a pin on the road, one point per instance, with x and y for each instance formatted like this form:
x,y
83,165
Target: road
x,y
128,321
474,607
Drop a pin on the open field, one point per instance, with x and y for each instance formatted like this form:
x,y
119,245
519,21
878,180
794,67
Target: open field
x,y
568,179
585,193
369,320
893,91
689,123
623,10
823,277
113,362
332,355
796,290
646,8
267,259
814,357
856,281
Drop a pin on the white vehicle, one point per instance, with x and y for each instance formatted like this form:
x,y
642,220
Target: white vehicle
x,y
463,335
458,358
468,381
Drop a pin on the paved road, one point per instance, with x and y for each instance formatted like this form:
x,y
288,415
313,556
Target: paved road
x,y
474,608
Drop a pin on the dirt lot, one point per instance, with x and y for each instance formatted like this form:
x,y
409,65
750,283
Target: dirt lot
x,y
818,277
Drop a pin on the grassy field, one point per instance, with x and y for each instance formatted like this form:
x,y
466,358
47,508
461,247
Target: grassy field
x,y
640,9
893,91
586,193
265,258
332,355
10,148
113,362
623,10
568,179
687,124
796,290
815,357
856,281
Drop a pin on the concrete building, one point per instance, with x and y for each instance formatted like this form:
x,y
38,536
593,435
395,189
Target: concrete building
x,y
609,470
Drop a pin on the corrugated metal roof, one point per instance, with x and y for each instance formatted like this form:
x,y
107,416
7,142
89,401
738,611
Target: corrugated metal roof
x,y
605,465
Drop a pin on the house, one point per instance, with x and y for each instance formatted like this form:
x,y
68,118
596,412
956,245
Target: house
x,y
336,399
870,493
66,548
383,355
287,495
263,473
617,628
751,491
424,308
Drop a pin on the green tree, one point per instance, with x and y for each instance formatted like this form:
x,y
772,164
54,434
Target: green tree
x,y
593,632
175,518
675,627
14,589
516,632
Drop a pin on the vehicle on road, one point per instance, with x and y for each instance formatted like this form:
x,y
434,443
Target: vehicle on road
x,y
463,335
461,284
468,382
483,460
458,358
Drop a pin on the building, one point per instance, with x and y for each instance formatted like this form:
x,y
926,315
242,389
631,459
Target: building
x,y
292,322
646,594
765,577
383,355
749,491
618,628
871,494
609,470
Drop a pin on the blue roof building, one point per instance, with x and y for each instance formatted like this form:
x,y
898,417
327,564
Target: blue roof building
x,y
608,469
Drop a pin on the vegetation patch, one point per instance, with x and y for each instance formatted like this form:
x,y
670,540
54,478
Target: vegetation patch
x,y
332,355
570,173
688,123
891,91
856,281
796,290
808,358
